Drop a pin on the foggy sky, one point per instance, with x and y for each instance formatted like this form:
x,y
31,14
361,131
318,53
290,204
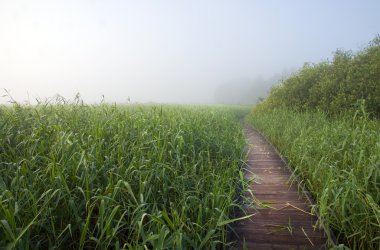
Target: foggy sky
x,y
169,51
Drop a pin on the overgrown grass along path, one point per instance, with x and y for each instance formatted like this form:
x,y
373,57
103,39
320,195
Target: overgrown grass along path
x,y
338,159
283,218
117,177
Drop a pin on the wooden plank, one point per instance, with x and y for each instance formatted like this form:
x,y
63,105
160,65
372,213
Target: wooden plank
x,y
288,222
274,246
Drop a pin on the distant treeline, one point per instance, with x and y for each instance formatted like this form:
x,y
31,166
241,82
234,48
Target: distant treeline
x,y
341,85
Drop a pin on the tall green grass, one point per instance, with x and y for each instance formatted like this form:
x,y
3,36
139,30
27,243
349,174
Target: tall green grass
x,y
76,176
339,161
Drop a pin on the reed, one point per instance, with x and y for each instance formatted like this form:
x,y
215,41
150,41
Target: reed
x,y
338,159
122,177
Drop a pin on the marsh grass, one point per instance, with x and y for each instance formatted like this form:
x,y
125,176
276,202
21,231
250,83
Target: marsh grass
x,y
104,176
338,159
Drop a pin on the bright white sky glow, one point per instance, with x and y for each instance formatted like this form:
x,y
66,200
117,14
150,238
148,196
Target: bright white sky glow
x,y
168,51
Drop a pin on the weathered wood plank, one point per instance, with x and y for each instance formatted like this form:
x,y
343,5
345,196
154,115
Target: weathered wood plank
x,y
286,221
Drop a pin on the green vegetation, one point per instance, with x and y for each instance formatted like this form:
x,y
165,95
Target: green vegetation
x,y
323,120
76,176
338,160
333,87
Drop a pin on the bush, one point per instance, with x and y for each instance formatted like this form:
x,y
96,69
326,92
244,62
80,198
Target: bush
x,y
334,87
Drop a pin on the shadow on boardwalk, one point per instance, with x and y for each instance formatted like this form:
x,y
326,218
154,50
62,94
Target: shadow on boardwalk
x,y
283,218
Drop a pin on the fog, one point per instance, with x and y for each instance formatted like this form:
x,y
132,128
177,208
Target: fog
x,y
170,51
248,91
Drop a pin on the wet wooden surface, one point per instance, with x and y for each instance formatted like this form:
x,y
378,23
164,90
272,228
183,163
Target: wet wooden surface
x,y
284,219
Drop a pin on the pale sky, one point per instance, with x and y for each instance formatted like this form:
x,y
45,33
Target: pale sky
x,y
168,51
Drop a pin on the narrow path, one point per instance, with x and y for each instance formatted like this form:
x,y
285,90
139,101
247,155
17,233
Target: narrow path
x,y
284,219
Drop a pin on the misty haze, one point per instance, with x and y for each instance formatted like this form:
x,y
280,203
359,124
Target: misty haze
x,y
168,51
173,124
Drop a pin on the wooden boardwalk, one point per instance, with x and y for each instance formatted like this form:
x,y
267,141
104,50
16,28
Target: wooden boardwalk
x,y
284,219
